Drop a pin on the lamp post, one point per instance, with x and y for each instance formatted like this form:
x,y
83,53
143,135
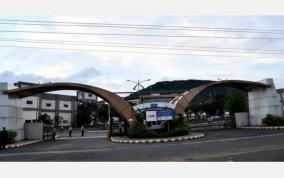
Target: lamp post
x,y
138,84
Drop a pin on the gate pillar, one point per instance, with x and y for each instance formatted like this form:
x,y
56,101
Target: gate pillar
x,y
262,102
11,111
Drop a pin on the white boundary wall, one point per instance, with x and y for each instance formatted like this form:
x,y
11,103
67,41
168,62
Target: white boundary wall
x,y
262,102
242,119
11,112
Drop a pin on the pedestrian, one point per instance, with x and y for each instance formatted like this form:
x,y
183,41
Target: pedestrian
x,y
3,138
210,119
70,131
120,127
82,130
54,134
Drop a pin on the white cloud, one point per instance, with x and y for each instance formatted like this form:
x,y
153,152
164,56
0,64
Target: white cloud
x,y
115,68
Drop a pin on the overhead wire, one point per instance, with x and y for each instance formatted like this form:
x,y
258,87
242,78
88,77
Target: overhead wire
x,y
141,26
142,35
137,52
127,45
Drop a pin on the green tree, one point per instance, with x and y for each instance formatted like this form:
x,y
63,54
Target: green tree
x,y
45,119
214,106
102,113
56,121
236,101
86,111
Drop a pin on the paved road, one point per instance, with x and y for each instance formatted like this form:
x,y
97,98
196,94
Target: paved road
x,y
217,145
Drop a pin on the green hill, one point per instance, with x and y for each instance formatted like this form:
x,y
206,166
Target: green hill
x,y
179,86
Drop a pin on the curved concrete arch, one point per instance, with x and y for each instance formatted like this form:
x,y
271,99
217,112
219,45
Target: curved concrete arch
x,y
187,97
120,105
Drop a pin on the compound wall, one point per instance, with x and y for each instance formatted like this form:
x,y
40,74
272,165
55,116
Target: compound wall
x,y
11,112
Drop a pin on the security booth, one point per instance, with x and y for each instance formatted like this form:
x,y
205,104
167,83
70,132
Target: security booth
x,y
156,115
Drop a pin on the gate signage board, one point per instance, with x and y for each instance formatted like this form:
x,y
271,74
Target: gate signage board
x,y
151,116
164,115
159,115
154,105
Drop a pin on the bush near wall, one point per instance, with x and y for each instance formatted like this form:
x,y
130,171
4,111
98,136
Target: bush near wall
x,y
12,136
139,130
272,120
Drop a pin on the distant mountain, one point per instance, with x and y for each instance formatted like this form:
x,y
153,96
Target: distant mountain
x,y
167,87
180,86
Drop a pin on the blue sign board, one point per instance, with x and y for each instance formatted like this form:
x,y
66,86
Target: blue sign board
x,y
164,115
154,105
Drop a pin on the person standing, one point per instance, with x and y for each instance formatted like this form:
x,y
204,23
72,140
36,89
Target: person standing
x,y
3,138
82,131
70,131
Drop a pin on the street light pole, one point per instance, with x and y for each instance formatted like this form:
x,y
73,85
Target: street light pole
x,y
138,85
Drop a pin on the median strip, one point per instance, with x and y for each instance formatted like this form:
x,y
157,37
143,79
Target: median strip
x,y
157,140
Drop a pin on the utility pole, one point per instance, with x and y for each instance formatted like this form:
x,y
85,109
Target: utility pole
x,y
110,123
138,84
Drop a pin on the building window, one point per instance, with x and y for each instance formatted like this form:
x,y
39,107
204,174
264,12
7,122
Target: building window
x,y
65,121
65,105
48,104
90,95
29,102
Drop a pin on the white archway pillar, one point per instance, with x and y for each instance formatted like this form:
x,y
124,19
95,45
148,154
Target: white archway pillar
x,y
262,102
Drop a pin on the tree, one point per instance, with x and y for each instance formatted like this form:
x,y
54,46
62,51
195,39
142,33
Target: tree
x,y
86,111
214,106
56,121
236,101
102,113
45,119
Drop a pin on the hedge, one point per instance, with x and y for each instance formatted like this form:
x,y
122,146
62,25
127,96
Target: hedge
x,y
272,120
12,136
139,130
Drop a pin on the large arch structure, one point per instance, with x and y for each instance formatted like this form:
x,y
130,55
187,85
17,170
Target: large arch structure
x,y
119,104
187,97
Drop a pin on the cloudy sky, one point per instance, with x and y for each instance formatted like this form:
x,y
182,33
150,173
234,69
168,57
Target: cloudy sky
x,y
91,50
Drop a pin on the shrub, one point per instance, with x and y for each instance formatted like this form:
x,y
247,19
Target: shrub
x,y
230,123
272,120
139,130
12,136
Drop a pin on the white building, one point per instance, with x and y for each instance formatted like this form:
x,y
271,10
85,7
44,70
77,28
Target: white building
x,y
53,105
86,97
281,93
64,106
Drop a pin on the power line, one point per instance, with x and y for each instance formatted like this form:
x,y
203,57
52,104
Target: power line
x,y
142,26
146,28
136,44
127,46
136,52
142,35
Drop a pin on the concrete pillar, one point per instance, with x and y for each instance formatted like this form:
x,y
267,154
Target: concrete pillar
x,y
262,102
11,111
33,131
242,119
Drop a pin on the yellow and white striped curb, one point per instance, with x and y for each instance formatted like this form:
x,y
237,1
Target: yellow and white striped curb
x,y
22,144
262,127
157,140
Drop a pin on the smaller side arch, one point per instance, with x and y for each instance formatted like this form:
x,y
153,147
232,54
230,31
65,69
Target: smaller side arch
x,y
187,97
